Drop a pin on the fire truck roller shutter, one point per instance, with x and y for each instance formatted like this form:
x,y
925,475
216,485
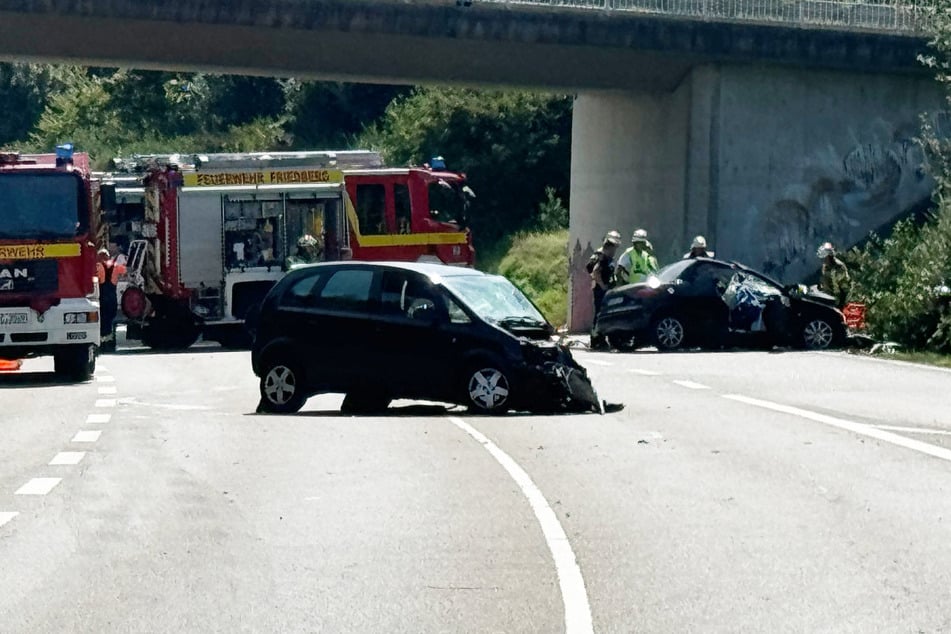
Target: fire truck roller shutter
x,y
200,238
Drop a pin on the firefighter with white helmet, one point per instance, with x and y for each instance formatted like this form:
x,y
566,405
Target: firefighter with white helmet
x,y
600,267
698,249
308,251
637,262
834,278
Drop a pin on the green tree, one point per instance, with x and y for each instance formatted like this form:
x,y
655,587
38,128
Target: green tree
x,y
512,145
329,115
23,89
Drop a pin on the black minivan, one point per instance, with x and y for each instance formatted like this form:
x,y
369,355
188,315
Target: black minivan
x,y
379,331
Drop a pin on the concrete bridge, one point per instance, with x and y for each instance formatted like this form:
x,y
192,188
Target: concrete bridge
x,y
766,125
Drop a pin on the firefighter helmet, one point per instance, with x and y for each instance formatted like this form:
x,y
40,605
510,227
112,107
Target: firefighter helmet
x,y
825,250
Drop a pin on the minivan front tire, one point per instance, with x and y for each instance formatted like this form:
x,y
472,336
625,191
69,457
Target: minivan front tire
x,y
487,388
282,387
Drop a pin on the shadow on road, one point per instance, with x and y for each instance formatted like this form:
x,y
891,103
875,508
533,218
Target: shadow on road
x,y
435,411
32,379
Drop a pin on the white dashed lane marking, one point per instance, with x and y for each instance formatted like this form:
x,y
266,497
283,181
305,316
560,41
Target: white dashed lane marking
x,y
644,372
98,419
108,389
6,516
105,378
67,458
105,402
691,385
87,436
597,362
38,486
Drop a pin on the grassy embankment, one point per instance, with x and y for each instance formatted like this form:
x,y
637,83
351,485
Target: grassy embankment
x,y
538,264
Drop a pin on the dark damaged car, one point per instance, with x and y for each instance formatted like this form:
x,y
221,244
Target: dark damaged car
x,y
383,331
714,304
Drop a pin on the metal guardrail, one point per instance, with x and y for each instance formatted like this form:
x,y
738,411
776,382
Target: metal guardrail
x,y
892,16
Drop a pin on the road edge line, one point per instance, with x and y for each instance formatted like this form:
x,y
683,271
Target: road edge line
x,y
574,596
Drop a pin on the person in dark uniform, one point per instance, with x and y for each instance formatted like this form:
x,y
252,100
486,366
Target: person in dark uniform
x,y
108,272
601,268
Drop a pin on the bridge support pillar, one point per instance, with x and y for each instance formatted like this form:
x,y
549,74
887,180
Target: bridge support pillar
x,y
765,161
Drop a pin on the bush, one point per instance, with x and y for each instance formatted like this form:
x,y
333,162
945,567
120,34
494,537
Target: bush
x,y
538,264
902,280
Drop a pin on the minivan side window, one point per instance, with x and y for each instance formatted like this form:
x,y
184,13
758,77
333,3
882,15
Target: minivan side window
x,y
405,295
347,290
301,293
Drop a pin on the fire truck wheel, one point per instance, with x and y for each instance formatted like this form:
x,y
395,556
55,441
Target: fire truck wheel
x,y
282,387
77,363
168,333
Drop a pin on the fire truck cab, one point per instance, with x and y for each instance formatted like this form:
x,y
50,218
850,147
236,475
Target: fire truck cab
x,y
208,235
48,229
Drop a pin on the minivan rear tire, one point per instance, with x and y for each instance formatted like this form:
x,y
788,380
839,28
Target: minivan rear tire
x,y
282,387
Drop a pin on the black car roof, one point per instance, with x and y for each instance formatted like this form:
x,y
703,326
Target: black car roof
x,y
426,268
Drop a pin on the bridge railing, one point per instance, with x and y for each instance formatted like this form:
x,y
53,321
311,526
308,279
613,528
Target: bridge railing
x,y
906,17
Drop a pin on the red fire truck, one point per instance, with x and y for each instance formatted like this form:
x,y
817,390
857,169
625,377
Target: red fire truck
x,y
208,235
48,230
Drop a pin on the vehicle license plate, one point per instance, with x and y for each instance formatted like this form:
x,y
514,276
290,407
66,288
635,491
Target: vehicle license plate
x,y
7,319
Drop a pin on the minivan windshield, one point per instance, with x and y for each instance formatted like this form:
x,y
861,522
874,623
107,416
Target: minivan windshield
x,y
494,298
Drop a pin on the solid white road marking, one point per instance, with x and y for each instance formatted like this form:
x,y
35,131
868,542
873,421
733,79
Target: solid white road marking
x,y
857,428
597,362
87,436
691,385
915,430
105,378
573,593
108,389
38,486
871,359
105,402
98,419
644,372
6,516
67,458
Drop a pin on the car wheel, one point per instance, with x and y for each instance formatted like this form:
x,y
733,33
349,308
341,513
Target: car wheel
x,y
818,334
282,388
488,389
364,403
669,333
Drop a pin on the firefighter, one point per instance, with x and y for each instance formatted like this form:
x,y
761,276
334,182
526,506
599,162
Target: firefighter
x,y
637,262
601,269
834,278
308,251
698,249
108,272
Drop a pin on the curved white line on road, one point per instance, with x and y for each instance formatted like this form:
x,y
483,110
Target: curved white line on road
x,y
6,516
857,428
573,593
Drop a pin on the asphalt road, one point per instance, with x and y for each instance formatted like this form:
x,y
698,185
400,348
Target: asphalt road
x,y
737,492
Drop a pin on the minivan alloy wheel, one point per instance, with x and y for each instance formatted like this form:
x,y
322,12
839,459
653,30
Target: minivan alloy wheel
x,y
818,334
488,389
280,384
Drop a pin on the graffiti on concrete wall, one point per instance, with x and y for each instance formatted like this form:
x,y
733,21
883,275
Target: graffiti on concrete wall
x,y
841,197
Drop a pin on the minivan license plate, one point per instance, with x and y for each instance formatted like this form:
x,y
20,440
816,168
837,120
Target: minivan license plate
x,y
7,319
